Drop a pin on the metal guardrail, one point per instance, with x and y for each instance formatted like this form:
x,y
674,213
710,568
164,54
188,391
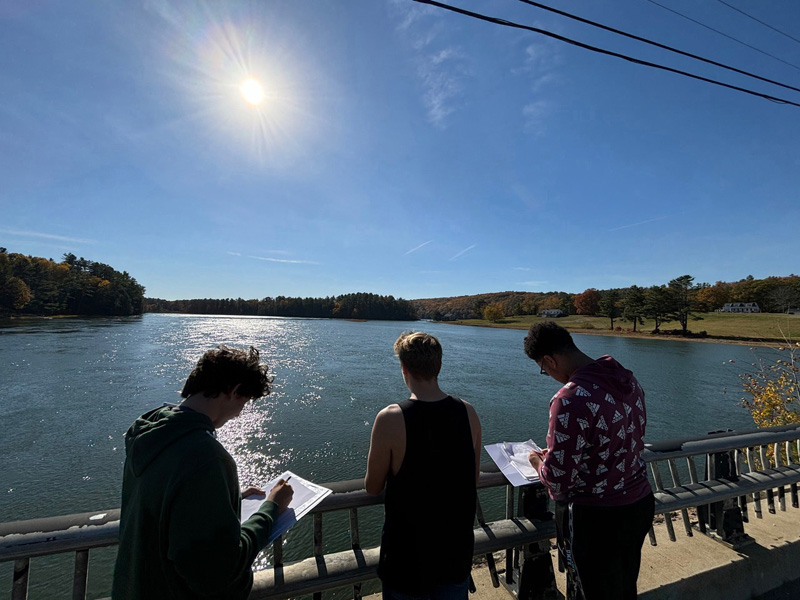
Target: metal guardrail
x,y
738,466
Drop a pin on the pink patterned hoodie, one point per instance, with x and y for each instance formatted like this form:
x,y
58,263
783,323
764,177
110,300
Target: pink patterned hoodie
x,y
595,438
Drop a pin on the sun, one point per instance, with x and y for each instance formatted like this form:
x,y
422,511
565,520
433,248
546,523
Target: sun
x,y
252,92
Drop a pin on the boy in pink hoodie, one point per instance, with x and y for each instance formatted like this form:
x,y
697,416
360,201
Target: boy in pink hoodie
x,y
592,466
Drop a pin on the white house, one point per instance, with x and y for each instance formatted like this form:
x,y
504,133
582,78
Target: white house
x,y
741,307
552,313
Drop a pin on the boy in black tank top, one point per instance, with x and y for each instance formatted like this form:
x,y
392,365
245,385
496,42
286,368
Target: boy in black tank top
x,y
425,453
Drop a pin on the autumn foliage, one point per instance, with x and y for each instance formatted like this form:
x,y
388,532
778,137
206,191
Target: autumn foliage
x,y
587,303
773,390
774,394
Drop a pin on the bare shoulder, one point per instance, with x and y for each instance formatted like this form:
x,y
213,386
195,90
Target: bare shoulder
x,y
389,418
390,413
473,415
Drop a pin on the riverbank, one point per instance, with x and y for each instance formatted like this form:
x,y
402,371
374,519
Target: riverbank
x,y
720,328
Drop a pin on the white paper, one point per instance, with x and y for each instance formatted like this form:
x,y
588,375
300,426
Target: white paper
x,y
306,496
512,459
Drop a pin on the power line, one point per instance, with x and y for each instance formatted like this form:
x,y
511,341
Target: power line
x,y
658,45
758,20
730,37
503,22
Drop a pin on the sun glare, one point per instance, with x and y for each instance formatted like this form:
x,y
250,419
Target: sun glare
x,y
252,92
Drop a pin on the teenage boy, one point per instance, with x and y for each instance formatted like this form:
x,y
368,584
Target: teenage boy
x,y
593,467
180,531
425,453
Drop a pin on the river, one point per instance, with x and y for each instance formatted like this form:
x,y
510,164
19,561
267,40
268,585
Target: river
x,y
72,387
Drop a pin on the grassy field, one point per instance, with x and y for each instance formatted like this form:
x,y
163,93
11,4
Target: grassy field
x,y
723,327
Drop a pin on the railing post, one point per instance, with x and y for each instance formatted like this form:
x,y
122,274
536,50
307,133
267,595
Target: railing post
x,y
676,481
22,568
509,574
355,542
781,489
660,486
751,464
81,575
534,578
317,545
765,465
792,487
725,518
489,557
742,499
693,479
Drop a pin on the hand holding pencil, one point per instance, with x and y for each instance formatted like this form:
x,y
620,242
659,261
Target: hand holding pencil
x,y
281,494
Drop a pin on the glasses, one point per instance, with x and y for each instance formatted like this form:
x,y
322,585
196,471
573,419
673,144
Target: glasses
x,y
541,369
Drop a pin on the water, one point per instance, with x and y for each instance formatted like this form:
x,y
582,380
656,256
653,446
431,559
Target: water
x,y
72,387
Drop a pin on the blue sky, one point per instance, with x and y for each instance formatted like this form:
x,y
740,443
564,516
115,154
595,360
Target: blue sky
x,y
401,149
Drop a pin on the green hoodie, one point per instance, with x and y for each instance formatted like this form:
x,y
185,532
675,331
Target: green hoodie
x,y
180,533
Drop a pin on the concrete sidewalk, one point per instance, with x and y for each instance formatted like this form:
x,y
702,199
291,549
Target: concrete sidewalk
x,y
699,567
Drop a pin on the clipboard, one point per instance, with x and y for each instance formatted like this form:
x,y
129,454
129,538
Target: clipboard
x,y
512,458
306,496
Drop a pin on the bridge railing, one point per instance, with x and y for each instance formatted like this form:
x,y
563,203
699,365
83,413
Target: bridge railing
x,y
737,468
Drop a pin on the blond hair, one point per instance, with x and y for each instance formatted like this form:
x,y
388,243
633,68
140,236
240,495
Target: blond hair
x,y
420,353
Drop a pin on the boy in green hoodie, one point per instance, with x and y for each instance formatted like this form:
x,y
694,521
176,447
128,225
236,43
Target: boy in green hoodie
x,y
180,530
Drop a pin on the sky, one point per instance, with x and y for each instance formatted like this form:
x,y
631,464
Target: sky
x,y
400,148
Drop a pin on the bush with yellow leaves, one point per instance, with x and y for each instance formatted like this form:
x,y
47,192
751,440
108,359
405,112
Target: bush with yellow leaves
x,y
773,390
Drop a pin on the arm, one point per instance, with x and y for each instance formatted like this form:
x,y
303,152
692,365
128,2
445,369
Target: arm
x,y
558,465
475,427
383,447
209,548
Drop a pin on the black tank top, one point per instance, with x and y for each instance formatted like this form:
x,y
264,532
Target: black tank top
x,y
430,504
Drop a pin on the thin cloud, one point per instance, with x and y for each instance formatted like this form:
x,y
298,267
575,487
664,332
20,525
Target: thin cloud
x,y
442,82
540,66
522,268
464,251
425,39
235,253
441,68
536,115
531,283
418,247
285,260
47,236
541,59
410,13
636,224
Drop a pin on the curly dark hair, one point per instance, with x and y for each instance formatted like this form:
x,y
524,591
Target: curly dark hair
x,y
223,368
548,338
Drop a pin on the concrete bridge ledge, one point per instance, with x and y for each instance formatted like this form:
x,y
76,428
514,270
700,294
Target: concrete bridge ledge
x,y
699,567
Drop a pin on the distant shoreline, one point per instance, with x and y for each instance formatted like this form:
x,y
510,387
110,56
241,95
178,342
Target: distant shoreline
x,y
734,340
637,335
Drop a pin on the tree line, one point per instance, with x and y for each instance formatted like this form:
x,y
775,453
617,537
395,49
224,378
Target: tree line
x,y
680,299
346,306
76,286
